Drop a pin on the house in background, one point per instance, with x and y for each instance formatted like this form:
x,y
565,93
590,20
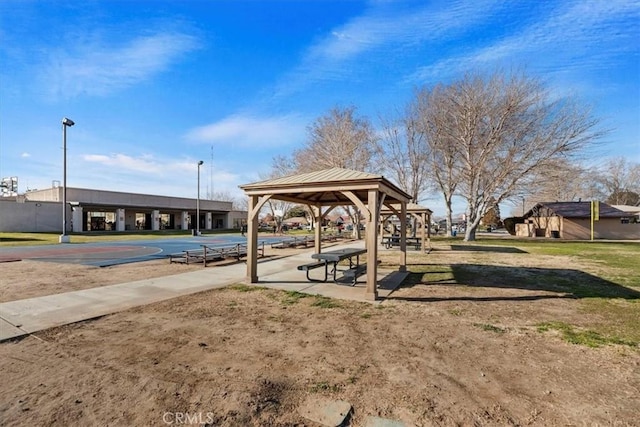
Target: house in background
x,y
632,211
572,221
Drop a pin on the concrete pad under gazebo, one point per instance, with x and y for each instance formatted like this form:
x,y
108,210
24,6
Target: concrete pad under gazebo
x,y
322,191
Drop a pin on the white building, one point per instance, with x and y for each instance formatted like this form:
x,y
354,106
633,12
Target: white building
x,y
98,210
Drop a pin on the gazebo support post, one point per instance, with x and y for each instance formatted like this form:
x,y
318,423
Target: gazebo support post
x,y
252,240
317,232
403,236
372,246
429,229
423,220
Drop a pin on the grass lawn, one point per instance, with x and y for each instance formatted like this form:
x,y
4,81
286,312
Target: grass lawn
x,y
602,278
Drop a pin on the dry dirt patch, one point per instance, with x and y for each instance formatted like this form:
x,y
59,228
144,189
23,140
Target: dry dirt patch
x,y
428,357
28,279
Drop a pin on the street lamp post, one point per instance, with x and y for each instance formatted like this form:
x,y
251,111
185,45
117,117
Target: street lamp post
x,y
523,206
198,202
64,238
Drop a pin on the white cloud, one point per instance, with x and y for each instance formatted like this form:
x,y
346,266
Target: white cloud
x,y
144,164
561,40
148,174
249,131
97,68
399,30
25,155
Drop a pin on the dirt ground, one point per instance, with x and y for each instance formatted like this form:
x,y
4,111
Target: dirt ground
x,y
436,353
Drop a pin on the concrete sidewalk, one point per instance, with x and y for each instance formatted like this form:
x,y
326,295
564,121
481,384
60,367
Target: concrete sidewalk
x,y
22,317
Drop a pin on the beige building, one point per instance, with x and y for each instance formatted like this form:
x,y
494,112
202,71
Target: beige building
x,y
572,220
98,210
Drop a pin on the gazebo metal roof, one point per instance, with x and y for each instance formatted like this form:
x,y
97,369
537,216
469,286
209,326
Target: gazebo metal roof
x,y
326,187
412,208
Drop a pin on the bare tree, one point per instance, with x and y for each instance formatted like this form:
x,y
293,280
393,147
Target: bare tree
x,y
223,196
402,152
338,139
280,166
618,182
502,129
239,203
558,180
443,158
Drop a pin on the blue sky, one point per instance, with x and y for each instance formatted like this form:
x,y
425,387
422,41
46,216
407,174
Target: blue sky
x,y
155,86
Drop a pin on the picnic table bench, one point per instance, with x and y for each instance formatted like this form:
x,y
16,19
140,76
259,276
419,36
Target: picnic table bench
x,y
349,275
293,242
312,266
390,241
208,253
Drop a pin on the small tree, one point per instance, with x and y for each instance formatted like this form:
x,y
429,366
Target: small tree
x,y
492,215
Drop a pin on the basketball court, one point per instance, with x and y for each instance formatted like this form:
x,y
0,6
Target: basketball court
x,y
113,253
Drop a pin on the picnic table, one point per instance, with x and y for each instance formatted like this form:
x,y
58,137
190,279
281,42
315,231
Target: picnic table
x,y
208,253
390,241
324,259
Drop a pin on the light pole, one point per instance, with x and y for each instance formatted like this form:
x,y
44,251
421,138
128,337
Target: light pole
x,y
198,202
523,206
64,238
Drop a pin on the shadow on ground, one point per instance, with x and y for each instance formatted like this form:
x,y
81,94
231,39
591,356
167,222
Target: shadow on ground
x,y
559,283
20,239
498,249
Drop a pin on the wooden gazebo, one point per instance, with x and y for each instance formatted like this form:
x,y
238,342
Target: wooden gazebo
x,y
322,191
421,213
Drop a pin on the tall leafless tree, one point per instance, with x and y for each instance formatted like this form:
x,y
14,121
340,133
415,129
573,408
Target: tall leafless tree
x,y
240,203
500,129
618,182
438,128
338,139
280,166
402,152
559,180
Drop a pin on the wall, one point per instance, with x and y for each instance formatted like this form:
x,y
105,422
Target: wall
x,y
236,219
125,200
538,227
580,228
605,228
29,217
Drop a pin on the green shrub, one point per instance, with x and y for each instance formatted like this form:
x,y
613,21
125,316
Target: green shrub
x,y
510,224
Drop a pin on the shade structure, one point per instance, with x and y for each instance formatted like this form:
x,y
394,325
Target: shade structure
x,y
421,213
322,191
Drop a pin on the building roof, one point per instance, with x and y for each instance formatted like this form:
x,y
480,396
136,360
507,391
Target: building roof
x,y
628,209
411,208
574,210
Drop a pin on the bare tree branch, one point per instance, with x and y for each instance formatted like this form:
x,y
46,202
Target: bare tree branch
x,y
493,132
